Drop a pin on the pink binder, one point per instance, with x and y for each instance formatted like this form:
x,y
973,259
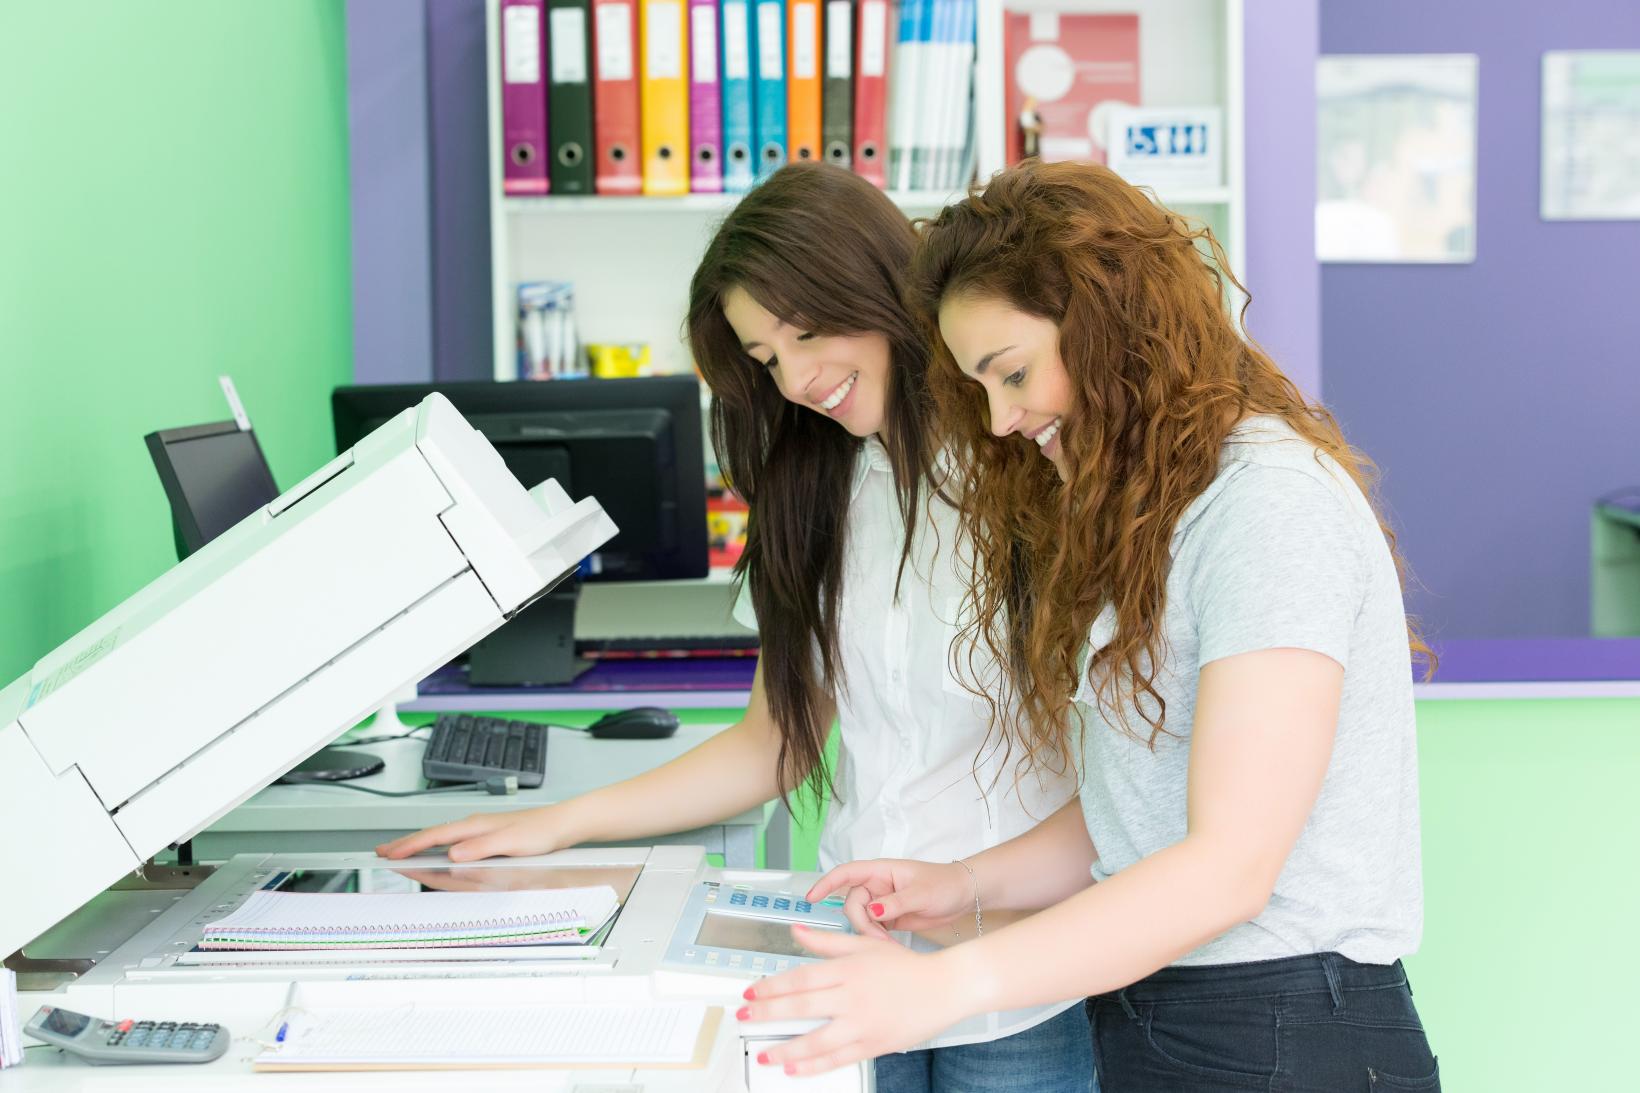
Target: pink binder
x,y
705,100
523,97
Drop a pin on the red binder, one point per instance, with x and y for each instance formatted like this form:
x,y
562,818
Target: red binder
x,y
619,168
871,48
523,97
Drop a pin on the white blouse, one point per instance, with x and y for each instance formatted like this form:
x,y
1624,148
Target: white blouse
x,y
916,776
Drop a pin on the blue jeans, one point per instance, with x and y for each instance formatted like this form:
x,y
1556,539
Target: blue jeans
x,y
1053,1057
1306,1024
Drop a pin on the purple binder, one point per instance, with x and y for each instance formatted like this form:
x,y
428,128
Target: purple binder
x,y
523,97
705,100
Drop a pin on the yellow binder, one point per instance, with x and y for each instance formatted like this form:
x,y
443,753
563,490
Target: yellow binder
x,y
664,89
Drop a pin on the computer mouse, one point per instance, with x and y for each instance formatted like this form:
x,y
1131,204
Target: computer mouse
x,y
638,723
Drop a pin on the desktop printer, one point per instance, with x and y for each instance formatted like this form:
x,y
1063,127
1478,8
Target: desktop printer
x,y
264,646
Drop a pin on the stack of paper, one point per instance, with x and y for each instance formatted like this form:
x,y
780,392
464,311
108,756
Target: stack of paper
x,y
11,1025
422,920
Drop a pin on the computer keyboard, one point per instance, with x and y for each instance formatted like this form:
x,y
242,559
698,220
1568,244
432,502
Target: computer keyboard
x,y
464,748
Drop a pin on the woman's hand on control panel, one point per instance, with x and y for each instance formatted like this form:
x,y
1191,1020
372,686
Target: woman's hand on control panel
x,y
898,894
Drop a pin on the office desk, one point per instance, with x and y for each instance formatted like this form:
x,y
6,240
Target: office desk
x,y
321,817
682,683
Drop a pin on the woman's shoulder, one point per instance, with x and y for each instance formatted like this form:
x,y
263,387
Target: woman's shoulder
x,y
1266,462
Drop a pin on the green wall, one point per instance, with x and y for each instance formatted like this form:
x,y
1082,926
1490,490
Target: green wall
x,y
173,205
1526,979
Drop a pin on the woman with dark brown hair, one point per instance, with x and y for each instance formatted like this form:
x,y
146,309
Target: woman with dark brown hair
x,y
822,420
1179,564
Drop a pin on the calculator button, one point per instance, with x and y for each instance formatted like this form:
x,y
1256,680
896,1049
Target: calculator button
x,y
757,964
738,899
782,904
782,965
736,960
805,906
760,901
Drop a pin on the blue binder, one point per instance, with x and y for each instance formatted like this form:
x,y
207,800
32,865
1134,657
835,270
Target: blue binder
x,y
737,40
769,85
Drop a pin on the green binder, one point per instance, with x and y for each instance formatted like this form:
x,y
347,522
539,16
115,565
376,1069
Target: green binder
x,y
837,85
569,96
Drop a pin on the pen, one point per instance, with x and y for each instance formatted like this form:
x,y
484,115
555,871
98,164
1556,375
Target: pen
x,y
283,1014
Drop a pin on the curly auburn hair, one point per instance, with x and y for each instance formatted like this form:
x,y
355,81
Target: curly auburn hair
x,y
1160,373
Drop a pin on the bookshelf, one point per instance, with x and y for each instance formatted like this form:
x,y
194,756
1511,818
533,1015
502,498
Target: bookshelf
x,y
630,258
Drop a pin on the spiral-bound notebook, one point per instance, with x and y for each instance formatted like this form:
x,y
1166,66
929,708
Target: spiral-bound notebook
x,y
421,920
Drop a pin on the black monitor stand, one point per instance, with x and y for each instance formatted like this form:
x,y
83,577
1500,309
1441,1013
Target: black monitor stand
x,y
536,648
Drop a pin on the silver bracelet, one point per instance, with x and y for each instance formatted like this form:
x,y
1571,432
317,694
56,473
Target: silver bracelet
x,y
979,920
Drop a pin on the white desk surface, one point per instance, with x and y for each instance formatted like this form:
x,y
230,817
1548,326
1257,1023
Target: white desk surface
x,y
576,764
322,817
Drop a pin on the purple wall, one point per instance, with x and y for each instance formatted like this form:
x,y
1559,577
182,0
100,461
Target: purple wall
x,y
458,138
1500,397
390,194
1280,47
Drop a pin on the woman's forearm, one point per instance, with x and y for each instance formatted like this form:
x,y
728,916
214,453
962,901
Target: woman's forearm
x,y
1111,934
1047,864
738,766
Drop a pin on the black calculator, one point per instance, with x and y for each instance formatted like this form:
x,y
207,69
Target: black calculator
x,y
98,1041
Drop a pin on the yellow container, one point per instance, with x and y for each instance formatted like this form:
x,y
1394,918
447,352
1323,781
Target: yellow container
x,y
611,361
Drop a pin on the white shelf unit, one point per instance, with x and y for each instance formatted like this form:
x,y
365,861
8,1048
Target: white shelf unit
x,y
630,258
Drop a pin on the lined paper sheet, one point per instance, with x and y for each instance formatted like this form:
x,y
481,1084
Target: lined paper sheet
x,y
423,1036
325,919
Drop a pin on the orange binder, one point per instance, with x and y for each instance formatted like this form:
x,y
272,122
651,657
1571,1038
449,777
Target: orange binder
x,y
664,95
803,80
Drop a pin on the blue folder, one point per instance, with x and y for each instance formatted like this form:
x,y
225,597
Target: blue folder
x,y
769,90
736,21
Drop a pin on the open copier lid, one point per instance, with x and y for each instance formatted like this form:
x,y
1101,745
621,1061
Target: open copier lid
x,y
262,647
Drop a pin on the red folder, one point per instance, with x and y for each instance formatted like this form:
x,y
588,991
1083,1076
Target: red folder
x,y
871,49
619,169
523,97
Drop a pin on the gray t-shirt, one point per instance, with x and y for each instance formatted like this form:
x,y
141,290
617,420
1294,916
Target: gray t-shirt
x,y
1281,551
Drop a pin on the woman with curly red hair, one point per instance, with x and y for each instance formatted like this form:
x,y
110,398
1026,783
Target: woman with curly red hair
x,y
1180,568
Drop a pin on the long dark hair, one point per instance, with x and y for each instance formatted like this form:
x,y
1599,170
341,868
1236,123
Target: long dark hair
x,y
825,251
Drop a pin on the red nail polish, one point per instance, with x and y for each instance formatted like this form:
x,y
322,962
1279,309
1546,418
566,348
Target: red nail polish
x,y
877,909
763,1058
742,1013
748,995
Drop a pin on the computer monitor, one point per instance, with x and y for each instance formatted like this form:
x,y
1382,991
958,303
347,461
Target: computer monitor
x,y
214,476
634,444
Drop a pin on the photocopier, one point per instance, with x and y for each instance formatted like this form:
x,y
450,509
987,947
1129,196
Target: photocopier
x,y
245,658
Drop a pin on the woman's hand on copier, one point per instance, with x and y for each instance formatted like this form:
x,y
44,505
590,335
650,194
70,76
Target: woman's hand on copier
x,y
488,835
